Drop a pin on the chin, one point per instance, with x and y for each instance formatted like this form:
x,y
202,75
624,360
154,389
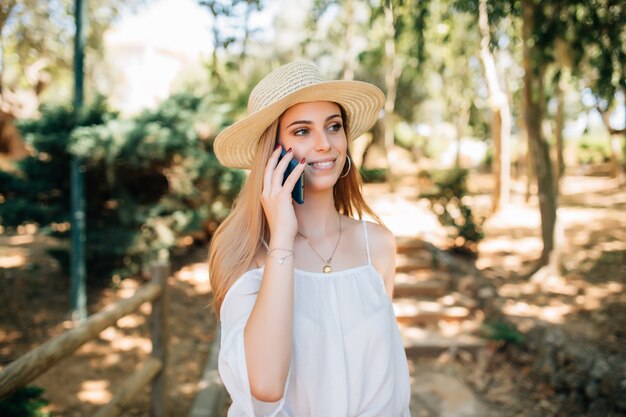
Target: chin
x,y
320,184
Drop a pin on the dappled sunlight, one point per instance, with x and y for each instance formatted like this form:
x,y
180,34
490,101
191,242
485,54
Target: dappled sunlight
x,y
128,343
508,245
586,185
123,342
8,337
197,276
403,214
12,261
128,287
111,359
514,216
95,392
18,240
131,321
553,313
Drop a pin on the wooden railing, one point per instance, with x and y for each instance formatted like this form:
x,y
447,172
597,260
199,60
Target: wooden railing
x,y
29,366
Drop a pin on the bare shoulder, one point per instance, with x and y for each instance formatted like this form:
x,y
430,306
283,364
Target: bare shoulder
x,y
383,247
381,238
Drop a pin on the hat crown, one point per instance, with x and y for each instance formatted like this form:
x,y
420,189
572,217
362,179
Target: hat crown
x,y
282,82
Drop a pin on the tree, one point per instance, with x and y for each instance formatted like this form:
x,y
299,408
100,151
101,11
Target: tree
x,y
534,70
598,49
35,36
500,113
452,65
234,14
403,45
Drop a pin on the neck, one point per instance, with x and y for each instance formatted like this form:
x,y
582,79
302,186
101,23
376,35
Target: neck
x,y
317,217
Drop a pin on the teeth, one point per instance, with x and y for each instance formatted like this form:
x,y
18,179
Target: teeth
x,y
322,164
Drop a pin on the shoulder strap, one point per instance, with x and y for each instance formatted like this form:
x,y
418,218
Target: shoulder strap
x,y
367,244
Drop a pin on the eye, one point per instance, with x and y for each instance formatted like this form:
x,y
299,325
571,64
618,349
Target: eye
x,y
335,127
300,132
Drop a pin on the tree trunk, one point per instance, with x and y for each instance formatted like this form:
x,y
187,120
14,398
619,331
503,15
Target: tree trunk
x,y
392,74
559,122
538,147
501,116
614,143
530,172
5,11
462,121
496,164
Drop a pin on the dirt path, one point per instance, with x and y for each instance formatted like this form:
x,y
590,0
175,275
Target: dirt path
x,y
35,301
589,302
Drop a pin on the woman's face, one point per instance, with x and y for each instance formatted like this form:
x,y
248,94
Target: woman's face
x,y
315,131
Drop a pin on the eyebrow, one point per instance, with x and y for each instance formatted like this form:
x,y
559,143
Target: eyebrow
x,y
308,122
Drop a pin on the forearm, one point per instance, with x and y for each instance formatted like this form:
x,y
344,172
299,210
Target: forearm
x,y
269,332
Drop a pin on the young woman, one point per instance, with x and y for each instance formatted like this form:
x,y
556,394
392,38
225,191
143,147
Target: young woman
x,y
303,291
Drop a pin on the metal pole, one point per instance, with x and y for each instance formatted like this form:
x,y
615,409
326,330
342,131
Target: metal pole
x,y
79,295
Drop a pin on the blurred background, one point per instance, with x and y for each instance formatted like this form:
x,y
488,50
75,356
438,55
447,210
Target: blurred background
x,y
497,161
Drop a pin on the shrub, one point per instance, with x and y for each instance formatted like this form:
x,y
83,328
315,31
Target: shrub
x,y
373,175
24,402
148,181
502,333
446,200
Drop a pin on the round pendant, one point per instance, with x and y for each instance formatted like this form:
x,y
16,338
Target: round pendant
x,y
327,269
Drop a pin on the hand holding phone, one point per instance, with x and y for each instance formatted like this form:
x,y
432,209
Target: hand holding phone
x,y
298,190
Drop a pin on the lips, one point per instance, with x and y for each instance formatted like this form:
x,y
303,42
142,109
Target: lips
x,y
322,164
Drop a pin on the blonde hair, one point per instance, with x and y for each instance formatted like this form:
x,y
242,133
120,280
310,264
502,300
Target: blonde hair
x,y
239,237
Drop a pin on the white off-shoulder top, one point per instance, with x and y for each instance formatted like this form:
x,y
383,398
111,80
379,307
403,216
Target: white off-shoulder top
x,y
348,357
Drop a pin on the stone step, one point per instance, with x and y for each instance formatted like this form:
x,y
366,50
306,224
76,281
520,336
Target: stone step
x,y
415,311
423,283
410,245
408,263
432,289
420,343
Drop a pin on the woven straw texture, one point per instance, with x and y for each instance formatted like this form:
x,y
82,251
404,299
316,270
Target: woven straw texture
x,y
294,83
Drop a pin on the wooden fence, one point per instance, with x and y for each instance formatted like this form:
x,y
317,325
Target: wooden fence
x,y
29,366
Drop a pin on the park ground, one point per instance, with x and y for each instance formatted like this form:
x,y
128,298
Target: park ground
x,y
587,302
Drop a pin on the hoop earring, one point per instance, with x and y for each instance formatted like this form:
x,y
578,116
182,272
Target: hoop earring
x,y
349,166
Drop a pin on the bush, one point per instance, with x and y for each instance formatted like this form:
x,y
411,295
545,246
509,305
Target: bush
x,y
24,402
374,175
593,148
148,181
502,333
446,201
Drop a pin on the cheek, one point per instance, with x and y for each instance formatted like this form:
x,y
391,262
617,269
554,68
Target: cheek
x,y
341,144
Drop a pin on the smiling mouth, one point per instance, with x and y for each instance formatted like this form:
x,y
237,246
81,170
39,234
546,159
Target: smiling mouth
x,y
322,165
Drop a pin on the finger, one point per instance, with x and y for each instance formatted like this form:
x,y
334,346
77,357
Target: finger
x,y
270,167
295,174
279,172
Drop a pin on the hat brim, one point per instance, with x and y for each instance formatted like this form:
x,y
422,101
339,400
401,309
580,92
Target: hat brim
x,y
236,145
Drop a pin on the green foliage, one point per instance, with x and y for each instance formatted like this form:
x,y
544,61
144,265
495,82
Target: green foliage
x,y
38,192
593,148
447,202
374,175
37,37
24,402
502,332
149,180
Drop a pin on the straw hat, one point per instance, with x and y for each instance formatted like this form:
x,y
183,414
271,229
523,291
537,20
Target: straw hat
x,y
291,84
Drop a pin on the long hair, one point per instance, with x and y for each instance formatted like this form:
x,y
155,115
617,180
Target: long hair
x,y
240,235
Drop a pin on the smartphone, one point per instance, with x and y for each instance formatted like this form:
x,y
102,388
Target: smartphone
x,y
298,190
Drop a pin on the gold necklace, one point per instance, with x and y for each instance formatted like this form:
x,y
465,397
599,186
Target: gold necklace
x,y
327,268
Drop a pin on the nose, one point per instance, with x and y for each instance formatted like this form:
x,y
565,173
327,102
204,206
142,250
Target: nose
x,y
321,141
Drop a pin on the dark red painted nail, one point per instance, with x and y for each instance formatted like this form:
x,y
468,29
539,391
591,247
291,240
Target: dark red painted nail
x,y
303,160
277,146
289,150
